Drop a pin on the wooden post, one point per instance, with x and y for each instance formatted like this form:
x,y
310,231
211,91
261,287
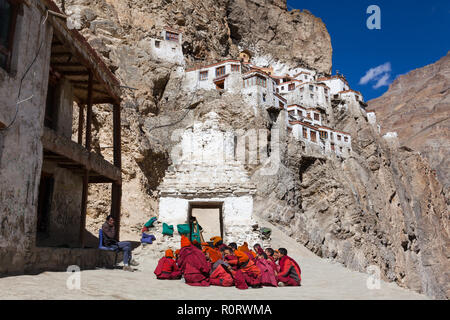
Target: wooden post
x,y
116,191
84,196
80,123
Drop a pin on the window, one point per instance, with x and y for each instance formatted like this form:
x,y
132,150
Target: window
x,y
301,89
326,90
220,71
331,136
311,87
332,147
312,96
260,81
203,75
264,97
323,135
8,16
44,202
346,139
157,43
305,77
339,137
171,36
51,104
305,133
291,86
278,90
281,105
316,117
235,68
313,136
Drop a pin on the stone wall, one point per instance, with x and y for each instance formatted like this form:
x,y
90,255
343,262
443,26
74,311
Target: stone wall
x,y
21,155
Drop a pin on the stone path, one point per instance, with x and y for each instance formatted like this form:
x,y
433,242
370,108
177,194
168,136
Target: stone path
x,y
321,280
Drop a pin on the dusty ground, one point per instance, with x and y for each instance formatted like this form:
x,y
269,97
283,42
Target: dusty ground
x,y
321,280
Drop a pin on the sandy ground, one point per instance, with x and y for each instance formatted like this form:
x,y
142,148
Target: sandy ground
x,y
322,279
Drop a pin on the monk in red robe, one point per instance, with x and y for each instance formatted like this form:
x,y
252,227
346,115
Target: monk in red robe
x,y
230,258
193,264
268,277
272,260
248,273
290,272
167,269
251,255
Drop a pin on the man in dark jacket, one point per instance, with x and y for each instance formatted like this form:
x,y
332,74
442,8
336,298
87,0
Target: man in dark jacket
x,y
109,234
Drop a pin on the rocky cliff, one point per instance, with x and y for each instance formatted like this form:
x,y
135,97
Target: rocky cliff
x,y
382,206
417,107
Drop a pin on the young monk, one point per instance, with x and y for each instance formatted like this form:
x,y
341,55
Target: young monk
x,y
214,254
268,277
167,269
193,264
229,257
290,273
271,260
251,255
248,273
221,273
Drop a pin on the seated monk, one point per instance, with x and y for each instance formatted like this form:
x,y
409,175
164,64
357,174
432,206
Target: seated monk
x,y
268,277
214,254
251,255
193,264
290,273
248,273
221,274
229,257
271,260
167,269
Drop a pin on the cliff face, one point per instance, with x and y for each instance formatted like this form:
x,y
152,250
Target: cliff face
x,y
382,206
417,107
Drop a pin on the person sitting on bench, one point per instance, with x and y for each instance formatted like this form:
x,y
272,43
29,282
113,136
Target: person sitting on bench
x,y
109,234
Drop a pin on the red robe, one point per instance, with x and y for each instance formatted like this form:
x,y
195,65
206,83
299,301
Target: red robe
x,y
194,266
273,264
220,277
167,269
268,277
290,273
247,275
232,260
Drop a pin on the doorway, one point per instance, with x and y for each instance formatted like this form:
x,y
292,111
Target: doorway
x,y
209,216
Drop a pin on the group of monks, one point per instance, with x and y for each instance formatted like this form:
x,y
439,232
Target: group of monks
x,y
218,264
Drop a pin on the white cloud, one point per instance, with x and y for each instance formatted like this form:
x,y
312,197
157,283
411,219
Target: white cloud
x,y
385,80
381,74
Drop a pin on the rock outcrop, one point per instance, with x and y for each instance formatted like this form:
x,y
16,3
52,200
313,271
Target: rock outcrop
x,y
382,206
417,107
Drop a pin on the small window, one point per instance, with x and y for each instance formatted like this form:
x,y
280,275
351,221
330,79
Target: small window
x,y
157,43
8,16
264,97
346,139
235,68
305,133
301,89
282,87
316,117
323,135
339,137
172,36
312,96
203,75
331,136
332,147
311,87
291,86
313,136
220,71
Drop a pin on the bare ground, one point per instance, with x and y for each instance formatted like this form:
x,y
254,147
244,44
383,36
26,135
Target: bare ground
x,y
322,279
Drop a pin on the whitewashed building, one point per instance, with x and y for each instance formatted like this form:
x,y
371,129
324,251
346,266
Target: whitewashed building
x,y
207,174
168,47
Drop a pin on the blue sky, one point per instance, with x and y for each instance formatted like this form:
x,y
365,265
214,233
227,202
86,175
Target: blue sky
x,y
413,34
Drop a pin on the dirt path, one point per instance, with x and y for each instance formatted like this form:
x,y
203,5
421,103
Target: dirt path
x,y
321,280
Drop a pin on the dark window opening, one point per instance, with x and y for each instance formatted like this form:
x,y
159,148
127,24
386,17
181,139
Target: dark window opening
x,y
51,105
8,17
291,86
44,203
220,84
313,136
157,43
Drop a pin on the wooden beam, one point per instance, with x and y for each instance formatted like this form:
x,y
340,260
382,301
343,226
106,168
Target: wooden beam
x,y
80,123
116,191
84,196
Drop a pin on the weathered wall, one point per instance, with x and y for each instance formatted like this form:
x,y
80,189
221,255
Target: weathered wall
x,y
21,156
